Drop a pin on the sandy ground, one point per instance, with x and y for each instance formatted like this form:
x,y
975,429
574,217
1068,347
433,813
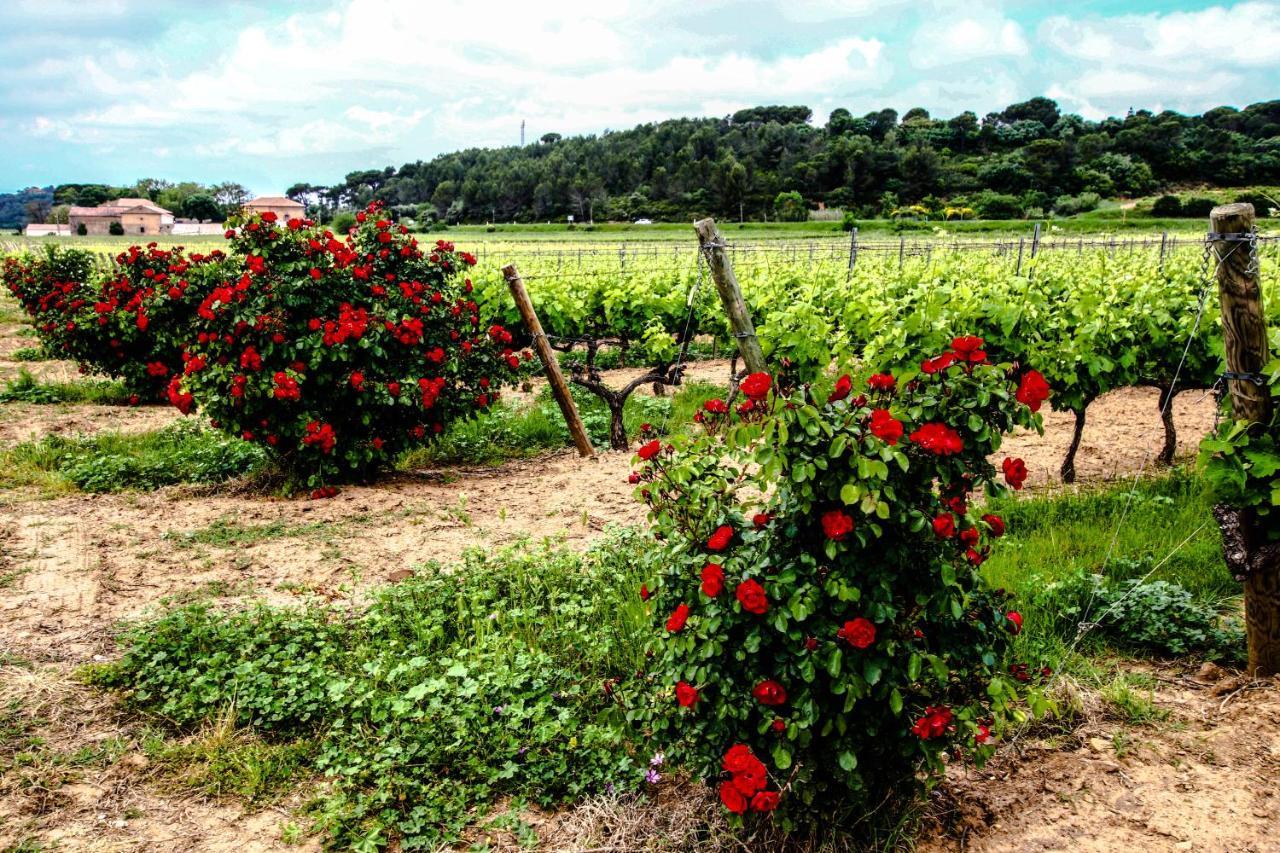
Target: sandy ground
x,y
72,567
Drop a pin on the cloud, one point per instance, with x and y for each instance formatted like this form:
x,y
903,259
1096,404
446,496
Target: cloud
x,y
950,41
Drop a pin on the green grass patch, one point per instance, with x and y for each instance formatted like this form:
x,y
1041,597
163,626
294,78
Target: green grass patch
x,y
116,461
450,692
1142,561
30,354
227,532
25,388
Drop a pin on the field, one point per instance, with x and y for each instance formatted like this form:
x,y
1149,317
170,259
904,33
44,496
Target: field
x,y
494,572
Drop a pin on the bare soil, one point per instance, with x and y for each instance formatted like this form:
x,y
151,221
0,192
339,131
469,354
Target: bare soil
x,y
72,567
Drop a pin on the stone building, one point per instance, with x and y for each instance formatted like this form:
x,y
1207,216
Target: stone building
x,y
135,216
285,208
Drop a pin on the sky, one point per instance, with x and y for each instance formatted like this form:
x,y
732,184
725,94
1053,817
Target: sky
x,y
271,94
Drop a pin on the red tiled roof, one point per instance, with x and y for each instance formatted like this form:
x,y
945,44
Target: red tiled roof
x,y
273,201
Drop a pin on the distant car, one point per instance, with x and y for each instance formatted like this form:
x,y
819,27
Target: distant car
x,y
644,221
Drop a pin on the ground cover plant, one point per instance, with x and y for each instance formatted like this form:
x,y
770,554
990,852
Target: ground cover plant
x,y
449,692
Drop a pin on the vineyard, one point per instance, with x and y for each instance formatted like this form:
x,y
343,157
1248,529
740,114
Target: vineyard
x,y
308,547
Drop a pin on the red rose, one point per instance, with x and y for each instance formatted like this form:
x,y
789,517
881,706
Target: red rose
x,y
645,595
982,735
1015,621
974,557
779,725
732,799
764,801
885,426
738,758
933,724
859,633
753,597
686,694
938,439
650,450
716,407
761,520
720,540
969,349
836,524
712,580
843,386
756,386
938,363
944,526
769,692
881,382
970,535
995,524
675,622
1033,390
1015,472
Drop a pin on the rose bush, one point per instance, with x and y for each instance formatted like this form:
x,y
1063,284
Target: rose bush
x,y
338,353
860,646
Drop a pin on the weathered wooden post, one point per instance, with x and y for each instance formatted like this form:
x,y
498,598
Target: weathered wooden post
x,y
1246,547
744,331
853,253
559,388
1021,243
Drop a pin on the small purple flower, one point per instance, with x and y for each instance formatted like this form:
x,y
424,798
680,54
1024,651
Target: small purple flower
x,y
652,777
608,788
497,711
657,759
522,750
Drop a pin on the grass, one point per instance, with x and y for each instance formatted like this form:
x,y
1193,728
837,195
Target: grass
x,y
118,461
26,388
35,353
227,532
1161,529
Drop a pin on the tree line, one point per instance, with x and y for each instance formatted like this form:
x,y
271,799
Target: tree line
x,y
185,199
775,162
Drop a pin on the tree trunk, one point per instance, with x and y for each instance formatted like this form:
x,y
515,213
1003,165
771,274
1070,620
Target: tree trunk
x,y
1069,462
1256,561
1167,395
617,427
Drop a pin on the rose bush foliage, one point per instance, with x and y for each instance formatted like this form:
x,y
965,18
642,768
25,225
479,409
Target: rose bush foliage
x,y
823,636
334,353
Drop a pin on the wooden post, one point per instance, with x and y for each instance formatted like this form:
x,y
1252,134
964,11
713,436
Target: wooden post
x,y
559,388
1164,240
1021,242
1035,241
853,253
902,246
710,242
1245,542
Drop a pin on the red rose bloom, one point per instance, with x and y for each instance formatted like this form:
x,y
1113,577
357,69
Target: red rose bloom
x,y
1015,621
885,426
859,633
944,526
756,386
732,798
843,386
1015,472
938,439
779,725
970,535
679,616
761,520
739,757
982,735
1033,390
712,580
764,801
686,694
645,595
720,540
933,724
836,524
650,450
995,524
938,363
752,596
769,692
881,382
715,407
969,349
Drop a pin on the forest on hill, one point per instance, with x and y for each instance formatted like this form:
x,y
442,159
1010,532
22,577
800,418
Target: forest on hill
x,y
1028,159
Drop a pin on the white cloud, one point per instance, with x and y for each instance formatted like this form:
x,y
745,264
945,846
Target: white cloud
x,y
948,41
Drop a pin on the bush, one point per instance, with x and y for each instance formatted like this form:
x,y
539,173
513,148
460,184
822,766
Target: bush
x,y
337,355
1198,208
1067,205
1167,206
115,229
823,628
993,205
790,207
1156,617
82,230
343,222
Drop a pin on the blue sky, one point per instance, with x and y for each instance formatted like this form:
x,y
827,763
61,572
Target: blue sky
x,y
269,94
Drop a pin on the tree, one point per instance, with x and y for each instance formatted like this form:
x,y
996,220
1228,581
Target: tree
x,y
37,210
790,207
202,207
230,195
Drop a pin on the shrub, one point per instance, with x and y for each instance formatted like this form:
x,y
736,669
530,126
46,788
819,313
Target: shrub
x,y
1156,617
1068,205
1198,208
336,355
82,229
993,205
823,628
343,222
51,287
790,207
115,229
1166,206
